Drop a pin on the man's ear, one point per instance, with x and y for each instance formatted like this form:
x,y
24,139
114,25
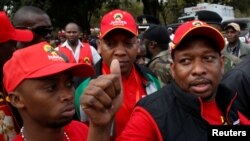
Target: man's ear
x,y
16,99
98,43
222,62
172,69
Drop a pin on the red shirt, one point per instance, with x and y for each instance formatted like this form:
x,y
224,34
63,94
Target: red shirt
x,y
76,131
142,127
133,91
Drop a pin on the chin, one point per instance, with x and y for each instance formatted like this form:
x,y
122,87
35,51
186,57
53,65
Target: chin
x,y
60,123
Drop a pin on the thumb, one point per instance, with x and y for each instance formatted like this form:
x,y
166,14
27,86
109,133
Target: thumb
x,y
115,67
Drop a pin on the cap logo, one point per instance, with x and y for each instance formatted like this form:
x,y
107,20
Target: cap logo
x,y
197,23
52,53
118,20
86,60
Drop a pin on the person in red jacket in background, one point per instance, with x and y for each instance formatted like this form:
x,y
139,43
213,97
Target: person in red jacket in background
x,y
74,49
184,109
8,39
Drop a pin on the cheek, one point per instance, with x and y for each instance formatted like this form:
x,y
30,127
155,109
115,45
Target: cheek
x,y
181,75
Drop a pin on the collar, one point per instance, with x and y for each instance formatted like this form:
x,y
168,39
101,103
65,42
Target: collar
x,y
162,54
66,44
193,104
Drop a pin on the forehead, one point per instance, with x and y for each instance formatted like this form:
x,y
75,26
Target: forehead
x,y
34,20
71,27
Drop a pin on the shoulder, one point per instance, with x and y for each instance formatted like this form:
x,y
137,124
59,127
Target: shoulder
x,y
76,131
144,70
162,96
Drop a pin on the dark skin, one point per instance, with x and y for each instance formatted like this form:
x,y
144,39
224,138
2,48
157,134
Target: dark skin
x,y
45,105
33,21
72,34
197,68
232,36
101,100
121,45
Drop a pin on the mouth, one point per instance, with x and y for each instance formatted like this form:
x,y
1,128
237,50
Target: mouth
x,y
123,63
201,86
69,111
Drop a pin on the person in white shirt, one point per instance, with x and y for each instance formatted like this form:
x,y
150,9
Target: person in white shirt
x,y
74,48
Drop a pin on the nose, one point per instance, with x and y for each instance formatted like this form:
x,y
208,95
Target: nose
x,y
120,50
199,68
67,95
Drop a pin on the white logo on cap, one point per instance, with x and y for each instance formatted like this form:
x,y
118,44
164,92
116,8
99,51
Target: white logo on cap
x,y
52,54
118,20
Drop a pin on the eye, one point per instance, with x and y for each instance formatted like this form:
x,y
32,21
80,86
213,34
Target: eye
x,y
51,87
185,61
129,44
209,58
70,83
111,44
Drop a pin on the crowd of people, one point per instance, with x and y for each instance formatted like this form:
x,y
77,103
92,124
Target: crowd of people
x,y
97,90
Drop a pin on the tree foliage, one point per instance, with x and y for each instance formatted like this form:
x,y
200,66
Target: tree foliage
x,y
89,12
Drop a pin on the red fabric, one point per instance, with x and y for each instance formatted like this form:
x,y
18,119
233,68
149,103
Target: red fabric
x,y
214,119
118,19
75,130
243,119
39,60
133,91
8,125
68,53
85,54
141,127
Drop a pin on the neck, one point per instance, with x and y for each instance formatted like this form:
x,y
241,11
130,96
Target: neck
x,y
233,44
73,44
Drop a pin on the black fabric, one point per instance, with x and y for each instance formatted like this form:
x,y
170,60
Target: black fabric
x,y
157,33
238,80
179,115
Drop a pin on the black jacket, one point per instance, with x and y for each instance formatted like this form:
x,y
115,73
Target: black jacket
x,y
238,80
179,116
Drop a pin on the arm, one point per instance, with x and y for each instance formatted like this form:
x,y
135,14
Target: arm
x,y
141,127
101,99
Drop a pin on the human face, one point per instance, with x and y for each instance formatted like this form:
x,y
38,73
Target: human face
x,y
197,69
48,101
232,35
72,33
41,27
121,45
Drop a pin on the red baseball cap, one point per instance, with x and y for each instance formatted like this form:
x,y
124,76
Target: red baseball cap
x,y
118,19
8,32
197,27
38,61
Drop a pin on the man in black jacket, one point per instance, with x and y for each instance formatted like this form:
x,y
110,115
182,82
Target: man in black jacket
x,y
185,109
238,80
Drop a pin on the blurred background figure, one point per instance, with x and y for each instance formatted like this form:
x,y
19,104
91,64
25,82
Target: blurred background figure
x,y
61,36
8,38
35,19
235,50
156,41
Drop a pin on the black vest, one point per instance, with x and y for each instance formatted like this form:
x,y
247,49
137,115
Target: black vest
x,y
178,114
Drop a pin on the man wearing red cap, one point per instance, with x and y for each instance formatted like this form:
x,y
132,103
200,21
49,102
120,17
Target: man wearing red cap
x,y
118,40
8,37
41,88
185,109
